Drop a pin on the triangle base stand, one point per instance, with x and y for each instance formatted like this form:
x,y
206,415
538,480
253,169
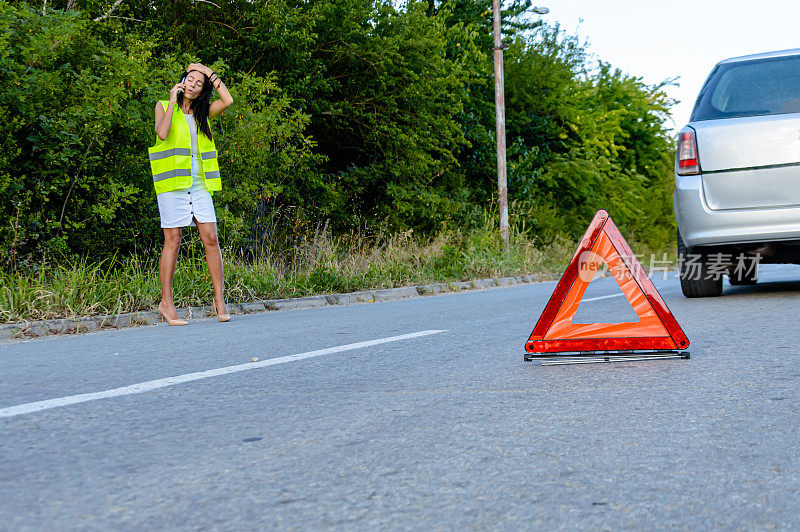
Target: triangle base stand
x,y
600,357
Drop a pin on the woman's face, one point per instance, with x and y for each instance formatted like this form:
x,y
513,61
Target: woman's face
x,y
193,85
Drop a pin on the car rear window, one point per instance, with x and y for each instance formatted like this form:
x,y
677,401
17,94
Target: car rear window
x,y
751,88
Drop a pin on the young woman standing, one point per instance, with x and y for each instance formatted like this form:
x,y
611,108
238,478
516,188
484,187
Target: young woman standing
x,y
185,174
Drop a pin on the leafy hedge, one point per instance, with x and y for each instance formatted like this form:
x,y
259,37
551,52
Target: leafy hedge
x,y
347,112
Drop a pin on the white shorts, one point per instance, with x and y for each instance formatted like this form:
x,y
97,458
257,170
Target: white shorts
x,y
180,208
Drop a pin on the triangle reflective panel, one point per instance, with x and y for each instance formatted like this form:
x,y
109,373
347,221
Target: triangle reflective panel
x,y
656,329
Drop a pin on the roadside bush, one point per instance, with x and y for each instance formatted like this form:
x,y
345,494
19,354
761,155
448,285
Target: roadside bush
x,y
373,114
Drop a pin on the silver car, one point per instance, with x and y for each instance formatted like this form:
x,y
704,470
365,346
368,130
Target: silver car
x,y
737,173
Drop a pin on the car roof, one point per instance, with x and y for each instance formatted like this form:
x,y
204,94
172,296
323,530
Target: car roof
x,y
767,55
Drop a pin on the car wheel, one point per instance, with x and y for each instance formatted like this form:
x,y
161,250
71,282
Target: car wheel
x,y
745,272
693,269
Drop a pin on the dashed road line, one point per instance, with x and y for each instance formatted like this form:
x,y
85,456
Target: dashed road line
x,y
142,387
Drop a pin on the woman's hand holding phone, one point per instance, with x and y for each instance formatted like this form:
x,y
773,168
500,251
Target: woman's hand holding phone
x,y
173,94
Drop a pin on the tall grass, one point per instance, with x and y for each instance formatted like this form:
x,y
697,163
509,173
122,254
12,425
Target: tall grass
x,y
318,264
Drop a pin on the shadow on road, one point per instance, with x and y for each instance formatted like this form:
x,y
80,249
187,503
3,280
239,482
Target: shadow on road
x,y
772,288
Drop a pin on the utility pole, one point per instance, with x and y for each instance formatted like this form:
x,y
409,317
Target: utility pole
x,y
500,122
500,119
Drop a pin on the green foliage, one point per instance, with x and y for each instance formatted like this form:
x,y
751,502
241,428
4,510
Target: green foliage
x,y
584,140
266,155
347,112
75,177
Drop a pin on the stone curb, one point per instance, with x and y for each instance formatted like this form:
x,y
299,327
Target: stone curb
x,y
35,329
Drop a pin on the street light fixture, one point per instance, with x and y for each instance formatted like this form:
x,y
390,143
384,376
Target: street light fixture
x,y
500,120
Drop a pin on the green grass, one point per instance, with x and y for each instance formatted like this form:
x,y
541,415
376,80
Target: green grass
x,y
318,264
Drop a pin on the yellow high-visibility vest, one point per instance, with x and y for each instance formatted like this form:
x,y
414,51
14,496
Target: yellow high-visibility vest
x,y
171,159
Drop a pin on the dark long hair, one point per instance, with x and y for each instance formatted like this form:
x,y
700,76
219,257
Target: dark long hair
x,y
200,105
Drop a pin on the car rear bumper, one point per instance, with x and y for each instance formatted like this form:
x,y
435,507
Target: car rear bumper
x,y
700,225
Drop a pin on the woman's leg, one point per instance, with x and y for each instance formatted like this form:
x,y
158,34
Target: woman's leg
x,y
166,270
208,235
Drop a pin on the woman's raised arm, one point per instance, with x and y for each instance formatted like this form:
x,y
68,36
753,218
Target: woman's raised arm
x,y
225,98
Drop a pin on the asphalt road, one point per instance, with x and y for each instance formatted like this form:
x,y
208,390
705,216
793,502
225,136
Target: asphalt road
x,y
442,430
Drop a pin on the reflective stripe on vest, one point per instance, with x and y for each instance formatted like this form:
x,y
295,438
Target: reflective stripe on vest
x,y
171,159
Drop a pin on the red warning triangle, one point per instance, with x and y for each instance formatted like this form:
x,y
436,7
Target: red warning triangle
x,y
656,329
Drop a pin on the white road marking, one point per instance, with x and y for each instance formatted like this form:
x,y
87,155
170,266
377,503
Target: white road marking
x,y
602,297
662,292
148,386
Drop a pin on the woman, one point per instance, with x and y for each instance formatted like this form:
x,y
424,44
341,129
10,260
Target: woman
x,y
185,174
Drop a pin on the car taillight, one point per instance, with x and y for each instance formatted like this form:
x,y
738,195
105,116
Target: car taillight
x,y
686,159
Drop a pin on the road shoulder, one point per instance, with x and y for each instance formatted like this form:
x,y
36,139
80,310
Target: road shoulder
x,y
83,324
